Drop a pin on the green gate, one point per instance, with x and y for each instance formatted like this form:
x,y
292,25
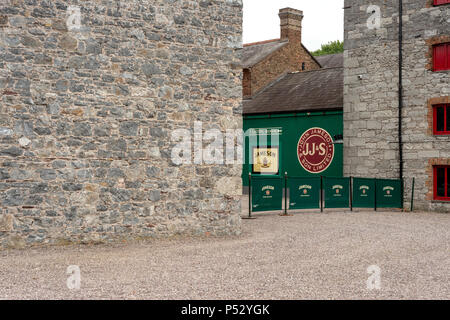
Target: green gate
x,y
284,131
363,193
389,193
267,193
337,192
304,193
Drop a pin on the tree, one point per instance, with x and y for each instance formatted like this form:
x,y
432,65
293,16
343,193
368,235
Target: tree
x,y
330,48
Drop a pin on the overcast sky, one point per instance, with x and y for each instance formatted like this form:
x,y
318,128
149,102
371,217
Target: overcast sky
x,y
323,20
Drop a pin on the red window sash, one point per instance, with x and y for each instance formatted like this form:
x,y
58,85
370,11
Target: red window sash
x,y
447,196
439,2
446,115
448,55
441,57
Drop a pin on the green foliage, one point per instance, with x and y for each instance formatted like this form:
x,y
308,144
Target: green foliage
x,y
330,48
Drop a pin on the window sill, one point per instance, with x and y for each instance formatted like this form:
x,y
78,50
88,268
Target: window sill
x,y
441,71
440,201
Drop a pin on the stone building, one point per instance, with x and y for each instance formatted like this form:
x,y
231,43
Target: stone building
x,y
90,92
376,142
266,61
288,91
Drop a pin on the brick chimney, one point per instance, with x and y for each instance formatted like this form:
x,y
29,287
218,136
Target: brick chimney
x,y
291,24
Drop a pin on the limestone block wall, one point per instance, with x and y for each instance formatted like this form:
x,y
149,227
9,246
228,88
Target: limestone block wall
x,y
371,101
90,92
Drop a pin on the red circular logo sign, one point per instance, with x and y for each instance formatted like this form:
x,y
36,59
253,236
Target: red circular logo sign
x,y
315,150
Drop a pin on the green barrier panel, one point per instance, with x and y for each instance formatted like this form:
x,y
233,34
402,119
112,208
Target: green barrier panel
x,y
267,194
363,193
389,193
304,193
337,192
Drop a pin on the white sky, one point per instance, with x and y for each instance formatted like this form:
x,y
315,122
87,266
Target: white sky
x,y
323,20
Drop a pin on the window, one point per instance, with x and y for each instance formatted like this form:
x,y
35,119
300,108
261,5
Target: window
x,y
441,119
303,66
442,183
439,2
441,57
247,83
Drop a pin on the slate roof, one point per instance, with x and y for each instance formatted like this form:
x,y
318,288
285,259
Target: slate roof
x,y
254,53
331,60
317,90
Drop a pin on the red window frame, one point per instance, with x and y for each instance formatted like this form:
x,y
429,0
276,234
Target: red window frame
x,y
447,173
446,130
441,57
440,2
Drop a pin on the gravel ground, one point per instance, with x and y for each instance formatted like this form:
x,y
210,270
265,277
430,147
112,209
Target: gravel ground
x,y
305,256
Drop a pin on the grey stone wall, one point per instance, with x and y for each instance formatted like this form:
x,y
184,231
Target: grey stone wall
x,y
371,103
86,117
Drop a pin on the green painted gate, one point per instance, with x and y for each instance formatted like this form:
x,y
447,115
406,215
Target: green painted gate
x,y
389,193
304,193
363,193
336,192
280,134
267,194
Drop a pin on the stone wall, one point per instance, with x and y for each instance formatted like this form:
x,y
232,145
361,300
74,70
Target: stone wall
x,y
87,111
370,94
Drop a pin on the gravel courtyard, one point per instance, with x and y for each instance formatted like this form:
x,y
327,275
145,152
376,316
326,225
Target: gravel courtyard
x,y
306,256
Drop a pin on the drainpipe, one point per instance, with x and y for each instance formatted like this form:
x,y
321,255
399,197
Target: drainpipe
x,y
400,85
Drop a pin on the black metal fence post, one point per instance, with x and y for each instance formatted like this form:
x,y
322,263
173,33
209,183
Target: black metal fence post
x,y
402,181
375,202
285,193
321,193
412,194
250,195
351,194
